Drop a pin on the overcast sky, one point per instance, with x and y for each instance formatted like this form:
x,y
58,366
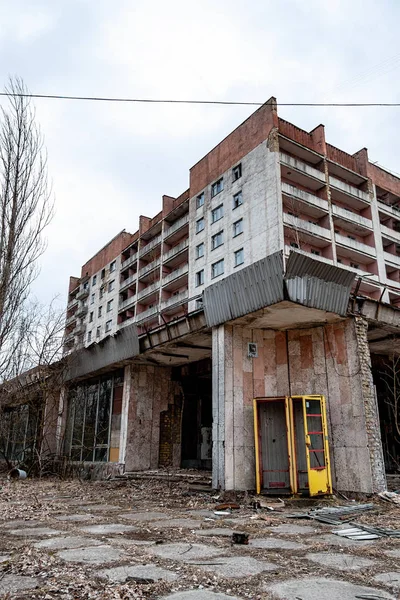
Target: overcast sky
x,y
109,163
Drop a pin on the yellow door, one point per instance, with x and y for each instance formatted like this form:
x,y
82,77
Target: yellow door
x,y
317,448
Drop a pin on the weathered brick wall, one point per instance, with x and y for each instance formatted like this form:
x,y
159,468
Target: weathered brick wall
x,y
170,434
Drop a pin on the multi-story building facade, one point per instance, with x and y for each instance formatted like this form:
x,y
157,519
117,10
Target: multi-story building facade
x,y
269,189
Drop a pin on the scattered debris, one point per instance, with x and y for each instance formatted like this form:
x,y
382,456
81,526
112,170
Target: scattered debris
x,y
240,538
390,497
334,515
365,532
227,506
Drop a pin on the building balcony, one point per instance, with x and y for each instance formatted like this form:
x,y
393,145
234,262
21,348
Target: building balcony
x,y
175,276
147,269
83,293
351,217
79,329
146,314
348,194
82,311
175,301
364,253
150,289
392,259
306,227
150,246
388,210
127,282
72,303
70,320
128,303
127,322
390,234
69,339
176,230
292,192
176,251
289,249
298,171
129,261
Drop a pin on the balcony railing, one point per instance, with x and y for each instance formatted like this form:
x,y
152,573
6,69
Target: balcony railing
x,y
306,227
79,329
175,250
355,245
129,261
70,320
127,282
348,215
175,274
391,234
294,192
177,299
83,293
147,268
125,304
146,314
176,226
389,210
72,303
146,249
348,189
82,310
148,290
302,167
392,258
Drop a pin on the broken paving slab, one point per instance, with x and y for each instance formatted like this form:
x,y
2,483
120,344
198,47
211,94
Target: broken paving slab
x,y
340,561
184,551
177,523
218,531
199,595
107,528
293,529
152,572
4,558
391,579
63,543
272,543
95,555
100,507
38,531
236,566
393,553
316,588
21,523
75,518
335,540
144,516
10,584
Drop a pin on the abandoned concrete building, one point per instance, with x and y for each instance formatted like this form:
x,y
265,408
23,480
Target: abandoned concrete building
x,y
249,327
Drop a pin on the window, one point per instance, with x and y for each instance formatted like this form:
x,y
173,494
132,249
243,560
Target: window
x,y
294,245
239,257
110,305
20,428
200,250
86,285
103,273
199,225
89,336
113,266
200,200
316,252
237,172
217,187
111,285
217,268
91,317
217,213
98,332
237,200
354,265
92,297
100,311
238,227
217,240
199,303
108,325
101,293
94,279
200,278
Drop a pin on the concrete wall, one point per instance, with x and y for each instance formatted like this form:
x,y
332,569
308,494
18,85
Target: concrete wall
x,y
148,392
322,360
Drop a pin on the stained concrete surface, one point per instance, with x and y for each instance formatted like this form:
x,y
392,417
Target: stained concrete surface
x,y
391,579
337,540
393,553
185,523
276,543
121,574
4,558
107,528
101,507
218,531
96,555
75,518
184,551
199,595
16,583
315,588
64,543
293,529
34,532
236,566
144,516
342,562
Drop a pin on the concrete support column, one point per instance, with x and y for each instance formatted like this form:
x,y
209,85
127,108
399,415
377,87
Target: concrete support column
x,y
370,408
124,413
218,407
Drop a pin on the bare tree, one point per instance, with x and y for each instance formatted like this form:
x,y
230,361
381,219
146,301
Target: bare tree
x,y
390,376
26,209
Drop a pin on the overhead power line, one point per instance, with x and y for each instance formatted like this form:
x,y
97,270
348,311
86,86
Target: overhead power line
x,y
215,102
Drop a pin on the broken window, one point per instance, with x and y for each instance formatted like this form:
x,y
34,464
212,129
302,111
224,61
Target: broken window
x,y
18,433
